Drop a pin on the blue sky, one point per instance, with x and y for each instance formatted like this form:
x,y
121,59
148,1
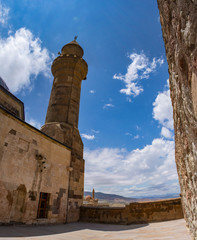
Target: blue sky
x,y
125,110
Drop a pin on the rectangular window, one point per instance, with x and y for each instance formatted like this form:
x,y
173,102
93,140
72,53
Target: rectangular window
x,y
43,205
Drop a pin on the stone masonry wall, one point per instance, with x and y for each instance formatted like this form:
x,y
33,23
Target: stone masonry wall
x,y
68,69
11,103
139,212
30,163
179,26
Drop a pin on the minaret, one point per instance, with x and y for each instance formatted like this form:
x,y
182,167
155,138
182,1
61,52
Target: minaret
x,y
93,193
68,69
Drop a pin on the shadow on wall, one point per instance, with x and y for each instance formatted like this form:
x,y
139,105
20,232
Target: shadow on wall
x,y
35,230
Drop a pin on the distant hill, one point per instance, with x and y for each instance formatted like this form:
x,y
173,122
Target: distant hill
x,y
118,198
156,197
109,197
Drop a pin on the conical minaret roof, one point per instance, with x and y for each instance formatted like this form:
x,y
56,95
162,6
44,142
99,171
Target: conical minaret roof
x,y
72,48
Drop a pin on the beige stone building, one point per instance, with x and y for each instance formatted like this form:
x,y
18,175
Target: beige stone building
x,y
42,172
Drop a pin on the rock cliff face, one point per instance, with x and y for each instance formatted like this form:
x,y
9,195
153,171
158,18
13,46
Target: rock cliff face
x,y
179,25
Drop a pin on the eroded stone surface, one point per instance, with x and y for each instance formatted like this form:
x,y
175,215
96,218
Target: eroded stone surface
x,y
179,25
30,163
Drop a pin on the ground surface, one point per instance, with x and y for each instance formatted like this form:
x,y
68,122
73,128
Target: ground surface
x,y
86,231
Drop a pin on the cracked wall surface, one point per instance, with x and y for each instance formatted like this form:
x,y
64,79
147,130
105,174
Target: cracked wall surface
x,y
179,26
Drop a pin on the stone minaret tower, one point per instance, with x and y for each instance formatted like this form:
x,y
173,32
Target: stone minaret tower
x,y
68,69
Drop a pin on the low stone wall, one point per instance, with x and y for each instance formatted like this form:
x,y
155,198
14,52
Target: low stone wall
x,y
138,212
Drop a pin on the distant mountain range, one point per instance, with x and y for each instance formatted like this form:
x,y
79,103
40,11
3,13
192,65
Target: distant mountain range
x,y
110,197
114,197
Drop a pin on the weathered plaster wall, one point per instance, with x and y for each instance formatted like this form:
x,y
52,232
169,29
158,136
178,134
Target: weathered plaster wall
x,y
140,212
179,26
30,163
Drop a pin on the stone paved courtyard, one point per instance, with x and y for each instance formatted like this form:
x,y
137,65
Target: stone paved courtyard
x,y
174,230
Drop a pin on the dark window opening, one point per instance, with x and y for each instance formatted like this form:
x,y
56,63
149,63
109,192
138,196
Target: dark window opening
x,y
43,205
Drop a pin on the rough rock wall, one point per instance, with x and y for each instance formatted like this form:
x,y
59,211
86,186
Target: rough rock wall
x,y
179,25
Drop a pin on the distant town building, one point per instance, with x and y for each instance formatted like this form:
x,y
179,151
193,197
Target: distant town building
x,y
90,200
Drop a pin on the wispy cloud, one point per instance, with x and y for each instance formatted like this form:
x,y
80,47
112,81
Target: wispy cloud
x,y
91,135
34,123
22,53
108,105
128,134
94,131
139,68
88,136
92,91
136,137
4,14
138,128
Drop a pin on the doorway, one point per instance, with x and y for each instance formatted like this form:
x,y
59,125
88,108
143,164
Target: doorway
x,y
43,205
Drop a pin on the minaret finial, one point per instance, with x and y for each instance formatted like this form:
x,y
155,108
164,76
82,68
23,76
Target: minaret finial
x,y
75,38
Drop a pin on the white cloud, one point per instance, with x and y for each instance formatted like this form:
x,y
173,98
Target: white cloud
x,y
117,171
165,132
34,123
94,131
129,99
128,134
4,14
141,172
163,113
92,91
162,110
88,136
136,137
138,128
139,68
108,105
21,59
